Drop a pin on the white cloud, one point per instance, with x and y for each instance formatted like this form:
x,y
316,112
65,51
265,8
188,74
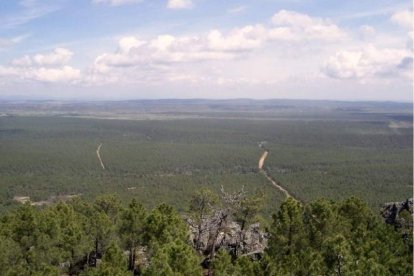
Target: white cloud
x,y
248,37
59,56
50,67
292,18
163,49
130,42
216,44
61,74
170,57
8,71
179,4
300,26
164,42
42,74
24,61
403,18
289,48
369,62
117,2
154,61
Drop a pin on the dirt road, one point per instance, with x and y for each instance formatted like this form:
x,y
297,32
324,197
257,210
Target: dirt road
x,y
265,173
98,150
262,159
274,183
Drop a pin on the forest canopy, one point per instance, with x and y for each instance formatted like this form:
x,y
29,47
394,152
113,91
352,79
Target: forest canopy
x,y
105,237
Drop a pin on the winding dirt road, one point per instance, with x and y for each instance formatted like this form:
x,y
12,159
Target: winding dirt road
x,y
98,150
264,172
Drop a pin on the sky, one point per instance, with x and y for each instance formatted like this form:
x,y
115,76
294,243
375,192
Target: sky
x,y
140,49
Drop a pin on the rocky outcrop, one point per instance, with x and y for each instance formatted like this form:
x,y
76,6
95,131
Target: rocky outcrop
x,y
251,241
394,212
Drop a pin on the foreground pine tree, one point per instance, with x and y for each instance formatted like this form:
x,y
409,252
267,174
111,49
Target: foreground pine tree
x,y
105,238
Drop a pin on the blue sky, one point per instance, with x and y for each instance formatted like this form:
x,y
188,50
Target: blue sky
x,y
122,49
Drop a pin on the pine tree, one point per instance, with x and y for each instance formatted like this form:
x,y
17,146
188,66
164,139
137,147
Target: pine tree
x,y
289,251
113,263
101,231
110,205
73,240
249,210
222,264
337,254
11,259
174,258
163,225
131,229
33,238
245,266
321,221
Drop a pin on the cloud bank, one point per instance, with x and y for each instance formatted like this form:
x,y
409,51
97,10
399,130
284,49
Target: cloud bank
x,y
287,49
48,67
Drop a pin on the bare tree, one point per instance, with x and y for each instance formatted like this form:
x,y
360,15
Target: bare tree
x,y
202,205
230,202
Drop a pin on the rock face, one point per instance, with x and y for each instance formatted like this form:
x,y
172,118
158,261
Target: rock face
x,y
391,212
250,241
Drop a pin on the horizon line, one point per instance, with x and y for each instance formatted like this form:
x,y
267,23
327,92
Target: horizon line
x,y
39,99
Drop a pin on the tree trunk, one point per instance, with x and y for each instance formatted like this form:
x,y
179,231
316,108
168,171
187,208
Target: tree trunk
x,y
200,231
198,237
96,247
339,265
131,258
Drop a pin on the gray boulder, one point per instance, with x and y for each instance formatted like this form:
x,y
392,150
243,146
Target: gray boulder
x,y
391,211
251,241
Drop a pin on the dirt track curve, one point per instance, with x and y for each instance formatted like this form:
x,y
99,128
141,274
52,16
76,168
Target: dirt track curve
x,y
98,151
265,173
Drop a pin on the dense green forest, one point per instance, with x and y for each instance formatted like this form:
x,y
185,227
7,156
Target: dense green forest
x,y
161,160
57,217
105,237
